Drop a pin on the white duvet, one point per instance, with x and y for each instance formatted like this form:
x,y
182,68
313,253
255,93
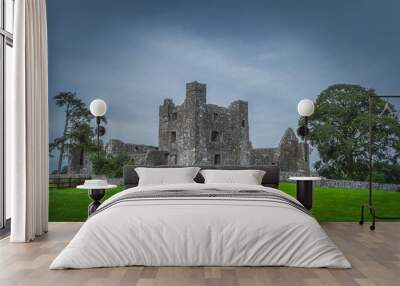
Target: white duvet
x,y
194,231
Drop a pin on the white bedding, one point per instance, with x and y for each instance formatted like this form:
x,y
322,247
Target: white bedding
x,y
200,231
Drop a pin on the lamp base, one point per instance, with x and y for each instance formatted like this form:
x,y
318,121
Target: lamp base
x,y
96,195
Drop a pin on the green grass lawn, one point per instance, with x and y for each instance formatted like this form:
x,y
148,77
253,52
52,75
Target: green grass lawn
x,y
330,204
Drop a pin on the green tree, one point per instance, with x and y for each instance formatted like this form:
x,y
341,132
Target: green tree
x,y
77,132
110,165
339,131
76,114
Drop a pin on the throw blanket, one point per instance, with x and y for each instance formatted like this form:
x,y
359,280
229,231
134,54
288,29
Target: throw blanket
x,y
205,194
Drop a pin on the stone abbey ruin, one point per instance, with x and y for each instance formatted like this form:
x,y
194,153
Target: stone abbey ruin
x,y
198,133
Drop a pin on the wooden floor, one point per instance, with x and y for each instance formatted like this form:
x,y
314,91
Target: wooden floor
x,y
375,257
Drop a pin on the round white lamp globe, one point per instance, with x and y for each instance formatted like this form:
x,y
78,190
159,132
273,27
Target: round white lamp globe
x,y
305,107
98,107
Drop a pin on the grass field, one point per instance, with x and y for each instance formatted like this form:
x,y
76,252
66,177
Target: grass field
x,y
330,204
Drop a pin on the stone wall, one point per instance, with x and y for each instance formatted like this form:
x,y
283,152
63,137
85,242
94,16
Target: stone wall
x,y
140,154
357,185
78,161
264,156
156,158
345,185
291,153
115,146
284,175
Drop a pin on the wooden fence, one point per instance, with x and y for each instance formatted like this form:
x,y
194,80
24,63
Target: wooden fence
x,y
67,181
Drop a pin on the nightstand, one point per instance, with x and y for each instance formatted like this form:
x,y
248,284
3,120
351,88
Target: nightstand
x,y
96,191
304,190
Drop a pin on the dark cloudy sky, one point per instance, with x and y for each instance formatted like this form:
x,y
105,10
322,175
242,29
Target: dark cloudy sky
x,y
133,54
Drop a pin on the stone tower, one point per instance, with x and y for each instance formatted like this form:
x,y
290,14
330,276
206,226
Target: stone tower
x,y
197,133
292,153
78,161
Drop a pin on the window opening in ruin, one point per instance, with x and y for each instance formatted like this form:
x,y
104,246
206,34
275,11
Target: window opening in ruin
x,y
214,136
174,159
173,136
217,159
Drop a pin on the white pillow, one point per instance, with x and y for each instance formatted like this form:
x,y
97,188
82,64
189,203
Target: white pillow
x,y
165,176
248,177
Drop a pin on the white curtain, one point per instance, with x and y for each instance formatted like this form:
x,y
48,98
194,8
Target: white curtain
x,y
27,147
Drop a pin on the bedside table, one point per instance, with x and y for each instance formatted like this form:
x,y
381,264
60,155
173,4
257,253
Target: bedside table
x,y
304,190
96,191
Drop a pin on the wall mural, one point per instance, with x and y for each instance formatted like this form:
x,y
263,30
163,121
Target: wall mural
x,y
218,84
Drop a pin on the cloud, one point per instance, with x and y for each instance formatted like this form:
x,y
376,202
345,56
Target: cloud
x,y
135,54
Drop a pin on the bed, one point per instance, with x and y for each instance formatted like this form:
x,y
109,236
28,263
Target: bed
x,y
198,224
